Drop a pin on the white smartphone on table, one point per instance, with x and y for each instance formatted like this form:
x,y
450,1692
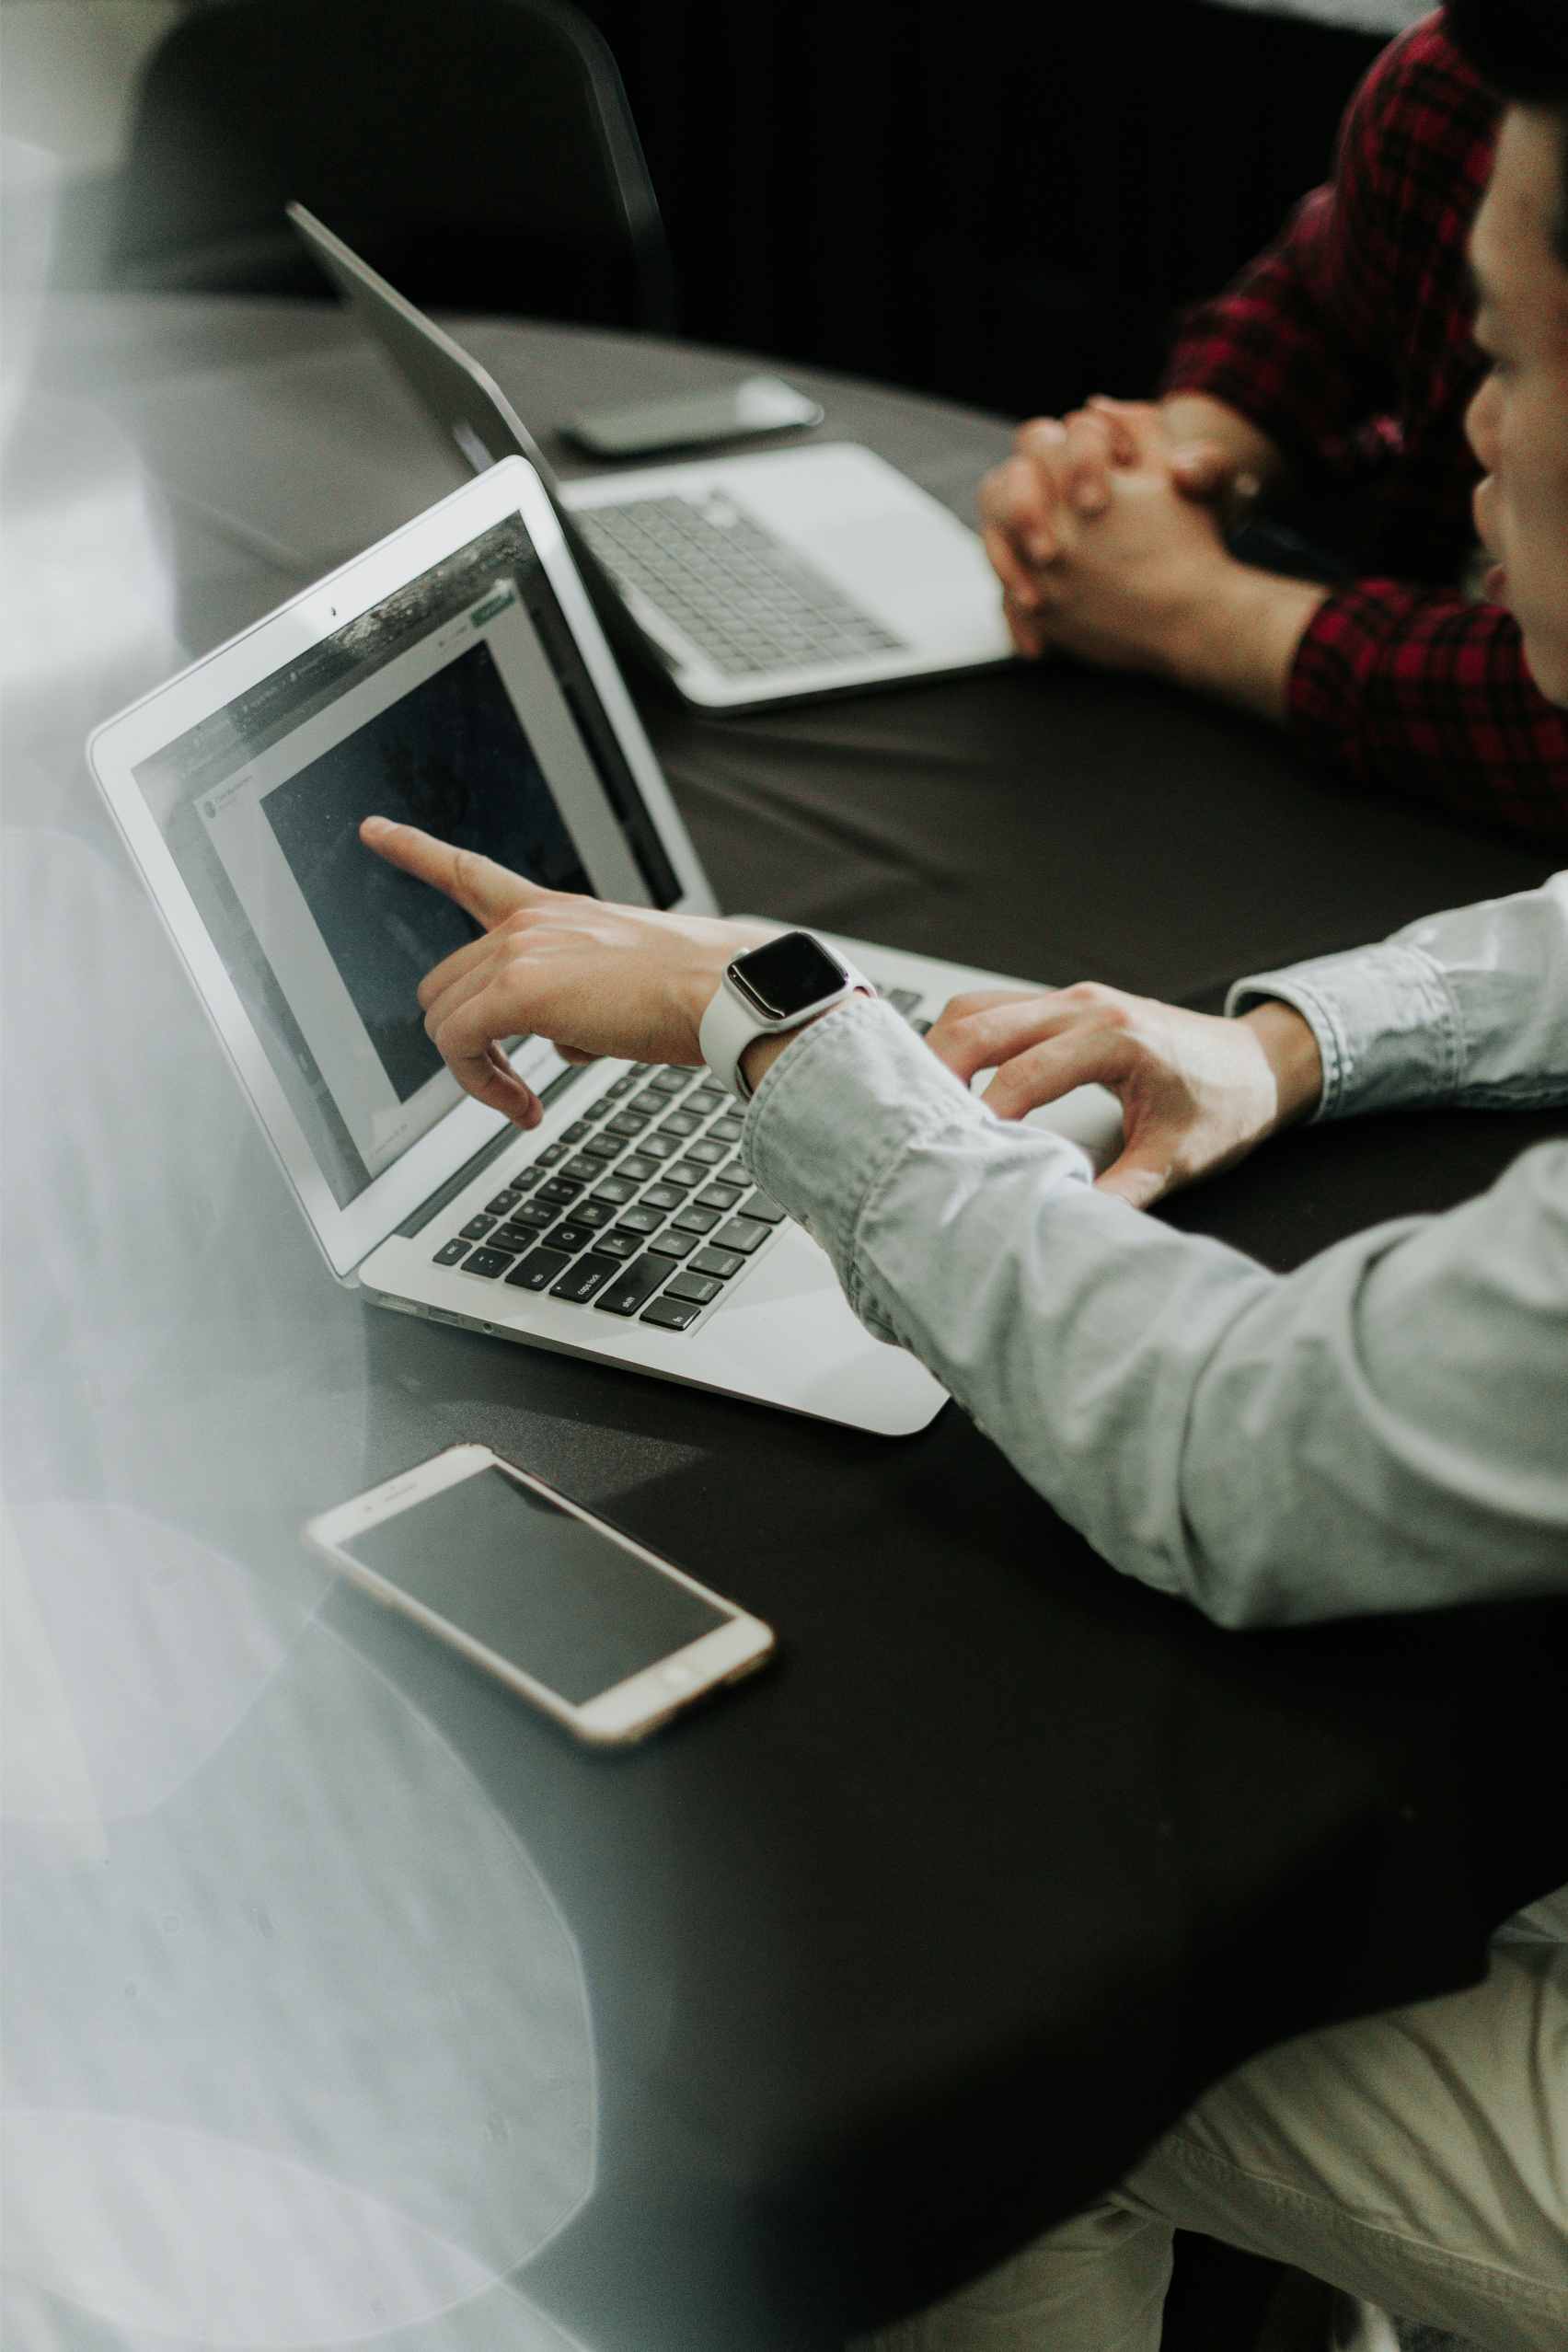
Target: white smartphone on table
x,y
588,1624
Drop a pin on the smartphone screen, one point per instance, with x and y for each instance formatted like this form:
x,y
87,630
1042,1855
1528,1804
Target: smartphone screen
x,y
554,1594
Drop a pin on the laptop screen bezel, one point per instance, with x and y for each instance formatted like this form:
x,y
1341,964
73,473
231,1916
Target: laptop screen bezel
x,y
346,1234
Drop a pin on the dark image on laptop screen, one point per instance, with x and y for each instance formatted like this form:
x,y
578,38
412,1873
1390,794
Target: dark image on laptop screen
x,y
451,756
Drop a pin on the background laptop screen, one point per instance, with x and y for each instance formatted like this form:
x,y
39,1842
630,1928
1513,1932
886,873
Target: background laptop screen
x,y
462,705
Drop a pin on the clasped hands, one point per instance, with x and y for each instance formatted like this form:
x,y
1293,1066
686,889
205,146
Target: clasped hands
x,y
1105,531
1196,1092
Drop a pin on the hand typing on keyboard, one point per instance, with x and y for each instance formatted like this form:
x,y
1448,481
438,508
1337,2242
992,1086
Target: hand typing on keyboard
x,y
1197,1092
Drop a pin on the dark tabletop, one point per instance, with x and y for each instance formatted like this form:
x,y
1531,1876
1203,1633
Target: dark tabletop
x,y
843,1986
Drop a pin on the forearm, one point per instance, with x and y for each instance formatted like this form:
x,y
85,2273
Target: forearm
x,y
1238,636
1275,1449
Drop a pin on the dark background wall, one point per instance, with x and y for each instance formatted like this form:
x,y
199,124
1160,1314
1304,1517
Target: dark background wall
x,y
1008,207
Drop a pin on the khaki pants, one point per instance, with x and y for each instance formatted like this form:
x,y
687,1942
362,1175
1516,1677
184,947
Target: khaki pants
x,y
1419,2160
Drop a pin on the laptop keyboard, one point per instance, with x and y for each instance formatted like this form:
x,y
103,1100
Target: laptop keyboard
x,y
747,601
639,1208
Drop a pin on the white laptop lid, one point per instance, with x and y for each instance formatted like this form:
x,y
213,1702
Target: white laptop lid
x,y
453,676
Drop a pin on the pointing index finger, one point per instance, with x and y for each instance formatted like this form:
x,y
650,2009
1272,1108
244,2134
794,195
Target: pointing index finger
x,y
485,891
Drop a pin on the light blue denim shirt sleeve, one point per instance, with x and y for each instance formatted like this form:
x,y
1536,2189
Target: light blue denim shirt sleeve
x,y
1469,1007
1386,1428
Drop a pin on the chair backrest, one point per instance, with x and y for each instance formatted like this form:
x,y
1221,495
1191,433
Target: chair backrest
x,y
480,153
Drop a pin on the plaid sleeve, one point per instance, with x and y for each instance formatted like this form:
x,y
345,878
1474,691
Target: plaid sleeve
x,y
1354,324
1413,691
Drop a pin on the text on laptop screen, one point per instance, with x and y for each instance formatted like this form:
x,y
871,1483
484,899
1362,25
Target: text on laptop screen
x,y
460,705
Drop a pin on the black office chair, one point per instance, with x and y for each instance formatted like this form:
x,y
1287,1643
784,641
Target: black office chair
x,y
480,153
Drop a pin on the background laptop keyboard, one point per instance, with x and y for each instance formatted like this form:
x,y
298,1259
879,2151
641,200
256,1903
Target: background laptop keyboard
x,y
745,600
641,1207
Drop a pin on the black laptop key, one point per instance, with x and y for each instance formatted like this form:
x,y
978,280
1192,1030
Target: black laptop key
x,y
520,1233
612,1191
722,1262
626,1124
489,1262
707,1098
647,1104
684,1173
658,1147
590,1212
561,1190
720,1196
530,1217
600,1148
693,1219
662,1197
633,1286
708,1152
671,1080
764,1208
680,1123
569,1235
637,1165
622,1087
451,1253
581,1168
575,1133
502,1202
551,1156
585,1279
672,1244
672,1314
727,1130
538,1269
741,1233
642,1219
697,1288
477,1227
526,1178
620,1244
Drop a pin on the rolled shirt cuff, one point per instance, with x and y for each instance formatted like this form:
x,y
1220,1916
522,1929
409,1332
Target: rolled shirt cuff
x,y
1387,1025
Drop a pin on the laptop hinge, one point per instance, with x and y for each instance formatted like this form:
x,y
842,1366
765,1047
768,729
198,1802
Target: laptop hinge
x,y
437,1201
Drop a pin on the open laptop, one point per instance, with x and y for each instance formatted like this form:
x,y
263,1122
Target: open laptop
x,y
748,580
455,676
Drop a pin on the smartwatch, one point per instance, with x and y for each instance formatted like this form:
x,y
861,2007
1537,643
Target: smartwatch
x,y
773,988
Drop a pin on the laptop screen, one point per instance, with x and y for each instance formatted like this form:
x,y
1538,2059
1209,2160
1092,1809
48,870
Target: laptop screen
x,y
460,704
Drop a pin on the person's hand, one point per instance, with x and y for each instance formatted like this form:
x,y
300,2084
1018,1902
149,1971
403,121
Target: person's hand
x,y
1197,1092
593,978
1061,470
1136,588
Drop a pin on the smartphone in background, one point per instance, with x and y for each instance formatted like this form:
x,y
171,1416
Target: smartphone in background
x,y
595,1629
693,421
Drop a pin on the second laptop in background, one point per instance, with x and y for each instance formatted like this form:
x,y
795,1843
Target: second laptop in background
x,y
749,580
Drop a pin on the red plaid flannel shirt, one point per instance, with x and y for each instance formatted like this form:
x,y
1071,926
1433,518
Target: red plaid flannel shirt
x,y
1349,343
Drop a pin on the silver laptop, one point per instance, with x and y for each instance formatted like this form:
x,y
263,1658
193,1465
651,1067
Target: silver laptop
x,y
748,580
455,676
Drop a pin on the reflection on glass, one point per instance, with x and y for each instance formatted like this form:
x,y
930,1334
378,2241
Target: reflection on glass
x,y
302,2055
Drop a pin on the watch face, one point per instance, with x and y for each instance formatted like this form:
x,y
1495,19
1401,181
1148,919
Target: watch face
x,y
787,975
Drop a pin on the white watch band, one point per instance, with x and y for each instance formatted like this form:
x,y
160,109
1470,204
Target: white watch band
x,y
731,1024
